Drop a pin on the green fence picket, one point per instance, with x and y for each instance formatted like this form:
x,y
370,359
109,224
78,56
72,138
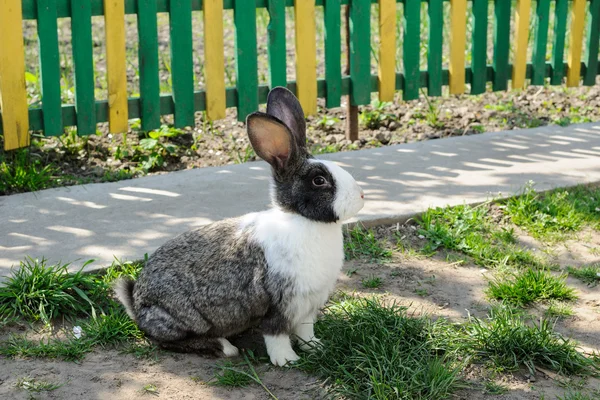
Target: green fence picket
x,y
360,52
411,49
560,29
148,61
479,46
593,38
434,48
333,51
277,45
81,31
501,44
541,38
182,72
49,67
246,58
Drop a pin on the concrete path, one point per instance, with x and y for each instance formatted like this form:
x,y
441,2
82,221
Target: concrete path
x,y
129,218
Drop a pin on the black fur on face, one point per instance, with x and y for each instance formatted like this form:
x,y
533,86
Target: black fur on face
x,y
309,190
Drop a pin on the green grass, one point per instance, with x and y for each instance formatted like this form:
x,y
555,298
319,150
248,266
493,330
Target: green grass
x,y
589,274
22,347
37,386
555,214
558,309
230,375
372,282
22,172
379,352
150,389
529,286
362,243
469,230
507,341
576,396
37,291
495,388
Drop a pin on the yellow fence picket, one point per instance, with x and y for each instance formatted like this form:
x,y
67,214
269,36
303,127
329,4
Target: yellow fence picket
x,y
214,59
114,17
306,55
13,94
387,50
522,36
458,42
576,42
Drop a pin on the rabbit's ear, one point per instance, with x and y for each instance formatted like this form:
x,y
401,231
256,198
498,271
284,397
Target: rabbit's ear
x,y
283,105
271,139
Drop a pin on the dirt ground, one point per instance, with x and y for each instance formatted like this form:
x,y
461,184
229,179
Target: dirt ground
x,y
429,285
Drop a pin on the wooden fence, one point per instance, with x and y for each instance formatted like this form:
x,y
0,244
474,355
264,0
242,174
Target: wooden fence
x,y
17,118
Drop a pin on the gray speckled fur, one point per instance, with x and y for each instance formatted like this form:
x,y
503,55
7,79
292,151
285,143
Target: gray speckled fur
x,y
207,283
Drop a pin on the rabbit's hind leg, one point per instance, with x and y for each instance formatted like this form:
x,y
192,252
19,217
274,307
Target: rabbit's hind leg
x,y
202,345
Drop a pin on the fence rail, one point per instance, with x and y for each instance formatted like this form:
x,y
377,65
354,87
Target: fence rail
x,y
17,119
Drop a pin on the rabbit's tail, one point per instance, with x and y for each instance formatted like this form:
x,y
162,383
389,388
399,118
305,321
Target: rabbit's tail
x,y
124,291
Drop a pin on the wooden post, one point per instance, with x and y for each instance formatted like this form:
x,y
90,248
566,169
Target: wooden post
x,y
351,111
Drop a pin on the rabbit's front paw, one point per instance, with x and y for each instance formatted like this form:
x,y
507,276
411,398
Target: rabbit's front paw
x,y
281,358
280,350
312,345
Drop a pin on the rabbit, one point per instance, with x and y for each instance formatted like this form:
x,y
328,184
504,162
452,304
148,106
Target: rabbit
x,y
272,269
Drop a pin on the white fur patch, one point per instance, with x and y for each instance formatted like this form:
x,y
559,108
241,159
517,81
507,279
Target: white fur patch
x,y
280,350
228,349
309,253
348,195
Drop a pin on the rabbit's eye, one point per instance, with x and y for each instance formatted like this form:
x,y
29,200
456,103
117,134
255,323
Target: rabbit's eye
x,y
319,181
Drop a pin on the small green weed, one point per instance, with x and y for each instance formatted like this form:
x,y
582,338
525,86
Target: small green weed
x,y
529,286
119,175
327,122
325,149
229,375
37,386
21,171
554,214
372,282
469,230
589,274
377,116
495,388
150,389
362,243
558,309
576,396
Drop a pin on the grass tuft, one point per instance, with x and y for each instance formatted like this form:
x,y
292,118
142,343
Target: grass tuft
x,y
37,386
372,282
362,243
230,376
36,291
469,230
21,172
68,350
529,286
378,352
558,309
507,341
589,274
557,213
